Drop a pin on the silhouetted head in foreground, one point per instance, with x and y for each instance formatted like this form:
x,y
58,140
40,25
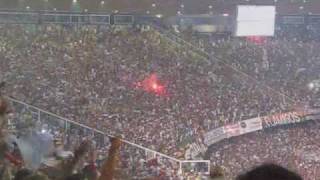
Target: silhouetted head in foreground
x,y
269,172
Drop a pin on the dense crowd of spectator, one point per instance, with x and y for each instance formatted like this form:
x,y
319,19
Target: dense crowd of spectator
x,y
93,75
295,147
286,65
72,153
289,67
90,76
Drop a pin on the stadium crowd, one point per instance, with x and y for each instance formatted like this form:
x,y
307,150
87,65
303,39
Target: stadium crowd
x,y
100,77
295,147
39,150
287,65
93,77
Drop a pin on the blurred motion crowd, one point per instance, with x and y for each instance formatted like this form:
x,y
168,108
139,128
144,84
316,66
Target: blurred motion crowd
x,y
90,75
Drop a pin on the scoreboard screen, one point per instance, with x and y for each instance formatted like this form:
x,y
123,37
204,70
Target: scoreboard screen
x,y
255,20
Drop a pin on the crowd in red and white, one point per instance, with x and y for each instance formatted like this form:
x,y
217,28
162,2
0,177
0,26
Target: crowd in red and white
x,y
135,83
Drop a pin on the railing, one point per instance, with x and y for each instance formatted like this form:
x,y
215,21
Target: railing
x,y
53,122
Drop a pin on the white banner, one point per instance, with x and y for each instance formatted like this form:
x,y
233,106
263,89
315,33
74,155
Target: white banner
x,y
256,124
214,136
250,125
232,130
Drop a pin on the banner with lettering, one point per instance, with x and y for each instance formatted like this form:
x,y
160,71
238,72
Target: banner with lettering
x,y
232,130
283,118
214,136
258,123
250,125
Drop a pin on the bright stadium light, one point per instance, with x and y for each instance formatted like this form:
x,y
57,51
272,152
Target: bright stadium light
x,y
43,131
74,1
159,15
102,2
311,85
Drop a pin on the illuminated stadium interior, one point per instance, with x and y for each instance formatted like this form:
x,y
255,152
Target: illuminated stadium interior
x,y
159,90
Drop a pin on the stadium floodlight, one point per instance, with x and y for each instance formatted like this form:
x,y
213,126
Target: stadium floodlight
x,y
311,85
255,20
43,131
159,15
314,85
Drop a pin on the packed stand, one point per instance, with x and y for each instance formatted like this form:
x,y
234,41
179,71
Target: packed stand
x,y
295,147
134,162
92,75
287,66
